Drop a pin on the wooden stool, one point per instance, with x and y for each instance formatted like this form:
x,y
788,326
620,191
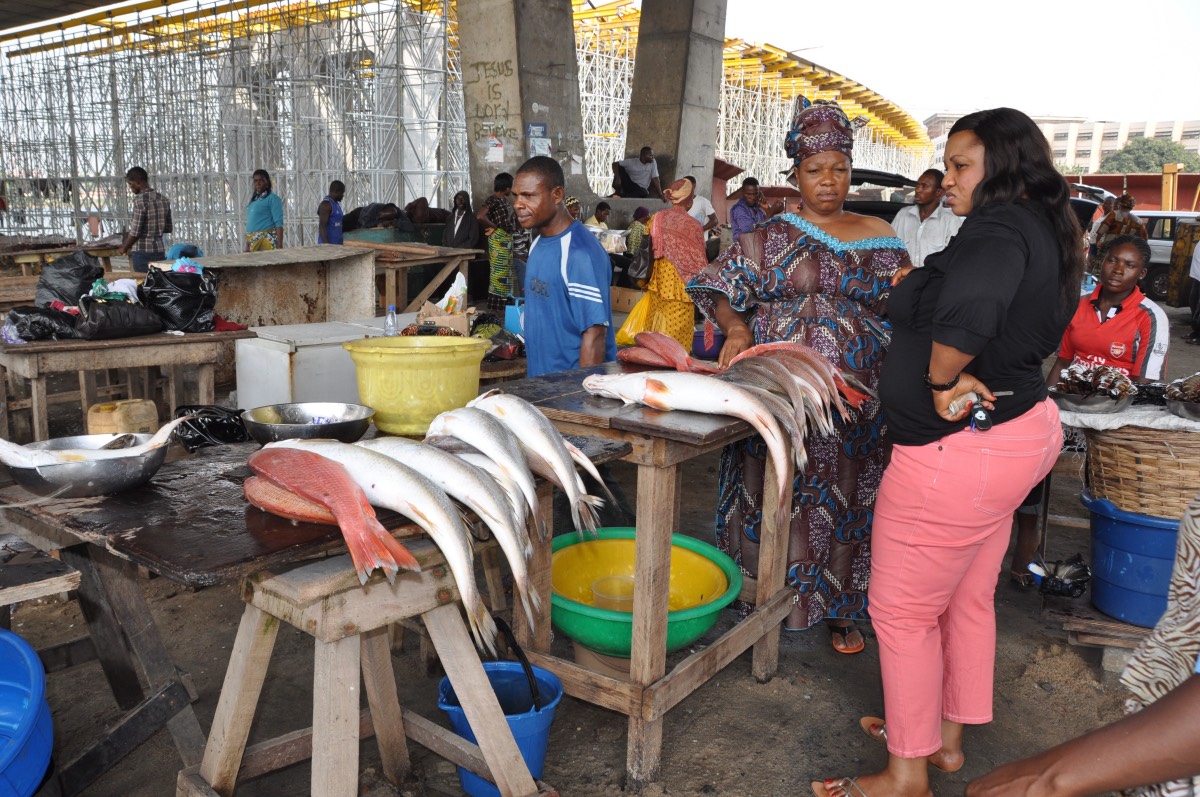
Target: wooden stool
x,y
27,574
349,623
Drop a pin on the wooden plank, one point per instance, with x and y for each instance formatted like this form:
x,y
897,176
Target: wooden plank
x,y
772,562
432,286
1094,640
335,718
379,680
68,654
593,687
134,728
28,574
699,668
506,766
236,706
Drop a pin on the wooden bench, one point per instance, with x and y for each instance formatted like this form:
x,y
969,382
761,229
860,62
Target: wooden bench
x,y
28,574
349,623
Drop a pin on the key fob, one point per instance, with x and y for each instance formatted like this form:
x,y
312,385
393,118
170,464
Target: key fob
x,y
980,418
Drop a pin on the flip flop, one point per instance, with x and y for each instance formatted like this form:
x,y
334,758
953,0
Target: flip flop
x,y
876,728
849,784
1021,580
844,632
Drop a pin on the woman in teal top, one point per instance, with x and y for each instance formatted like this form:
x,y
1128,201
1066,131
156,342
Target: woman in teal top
x,y
264,216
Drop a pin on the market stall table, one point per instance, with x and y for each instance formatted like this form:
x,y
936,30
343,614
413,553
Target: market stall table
x,y
27,260
192,525
41,359
394,260
661,442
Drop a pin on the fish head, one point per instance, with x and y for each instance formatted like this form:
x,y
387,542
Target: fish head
x,y
483,397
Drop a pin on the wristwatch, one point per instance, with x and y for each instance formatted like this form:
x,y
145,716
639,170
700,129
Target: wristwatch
x,y
929,383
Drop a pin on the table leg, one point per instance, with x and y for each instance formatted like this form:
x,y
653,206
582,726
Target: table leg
x,y
389,289
657,519
505,764
539,581
41,417
335,718
88,395
206,379
174,389
5,432
772,569
239,698
379,678
119,582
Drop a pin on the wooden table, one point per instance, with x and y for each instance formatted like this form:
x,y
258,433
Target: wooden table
x,y
38,360
192,525
394,260
661,442
41,257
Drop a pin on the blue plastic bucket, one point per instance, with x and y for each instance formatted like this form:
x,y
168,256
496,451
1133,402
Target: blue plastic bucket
x,y
26,731
1132,559
530,728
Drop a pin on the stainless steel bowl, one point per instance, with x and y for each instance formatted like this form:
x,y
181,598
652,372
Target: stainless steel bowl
x,y
95,477
308,421
1189,410
1093,405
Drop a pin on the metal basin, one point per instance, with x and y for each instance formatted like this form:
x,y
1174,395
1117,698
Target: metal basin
x,y
1094,405
1184,409
312,420
97,477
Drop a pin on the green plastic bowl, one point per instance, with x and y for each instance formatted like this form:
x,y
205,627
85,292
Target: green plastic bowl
x,y
702,578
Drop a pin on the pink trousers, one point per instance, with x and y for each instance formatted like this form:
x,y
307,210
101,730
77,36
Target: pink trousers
x,y
942,523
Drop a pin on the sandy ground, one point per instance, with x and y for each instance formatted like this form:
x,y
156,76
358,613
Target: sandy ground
x,y
734,736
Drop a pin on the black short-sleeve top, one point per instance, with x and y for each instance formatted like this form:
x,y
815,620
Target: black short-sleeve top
x,y
992,293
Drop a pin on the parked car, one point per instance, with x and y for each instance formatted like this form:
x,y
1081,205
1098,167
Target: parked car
x,y
1161,228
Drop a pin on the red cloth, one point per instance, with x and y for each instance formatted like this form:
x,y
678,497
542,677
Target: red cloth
x,y
221,325
679,238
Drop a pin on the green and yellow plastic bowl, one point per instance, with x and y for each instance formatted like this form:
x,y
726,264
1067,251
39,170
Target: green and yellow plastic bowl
x,y
703,581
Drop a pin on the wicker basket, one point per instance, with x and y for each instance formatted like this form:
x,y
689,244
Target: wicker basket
x,y
1147,471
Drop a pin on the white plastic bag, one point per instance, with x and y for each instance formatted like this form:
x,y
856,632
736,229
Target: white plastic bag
x,y
455,300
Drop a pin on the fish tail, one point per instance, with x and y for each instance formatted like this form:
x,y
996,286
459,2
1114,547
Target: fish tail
x,y
587,510
483,627
530,602
401,556
582,461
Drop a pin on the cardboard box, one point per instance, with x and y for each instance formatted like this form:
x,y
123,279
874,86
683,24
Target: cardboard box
x,y
432,314
623,299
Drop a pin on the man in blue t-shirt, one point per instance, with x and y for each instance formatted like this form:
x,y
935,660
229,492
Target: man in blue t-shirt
x,y
568,309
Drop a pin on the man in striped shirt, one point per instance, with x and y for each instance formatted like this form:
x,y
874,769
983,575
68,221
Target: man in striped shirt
x,y
568,309
151,220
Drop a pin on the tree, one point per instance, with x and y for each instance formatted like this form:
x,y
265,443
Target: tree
x,y
1147,156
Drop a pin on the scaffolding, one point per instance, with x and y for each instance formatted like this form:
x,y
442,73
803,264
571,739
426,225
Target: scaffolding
x,y
201,96
202,93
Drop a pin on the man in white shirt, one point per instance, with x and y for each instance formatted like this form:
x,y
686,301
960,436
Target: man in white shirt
x,y
701,209
926,227
637,178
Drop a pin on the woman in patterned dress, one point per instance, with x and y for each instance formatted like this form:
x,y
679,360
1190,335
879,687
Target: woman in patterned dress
x,y
820,277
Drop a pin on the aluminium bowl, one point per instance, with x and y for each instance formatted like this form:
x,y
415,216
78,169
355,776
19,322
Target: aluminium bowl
x,y
89,478
1092,405
313,420
1189,410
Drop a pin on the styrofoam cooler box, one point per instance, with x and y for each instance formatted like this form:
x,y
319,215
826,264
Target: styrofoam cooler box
x,y
303,362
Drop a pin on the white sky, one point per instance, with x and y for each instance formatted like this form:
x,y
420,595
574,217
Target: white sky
x,y
1100,59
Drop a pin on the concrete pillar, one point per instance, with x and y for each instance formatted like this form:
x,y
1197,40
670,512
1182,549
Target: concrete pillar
x,y
519,69
677,87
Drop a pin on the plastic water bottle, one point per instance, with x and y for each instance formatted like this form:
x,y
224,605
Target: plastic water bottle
x,y
389,323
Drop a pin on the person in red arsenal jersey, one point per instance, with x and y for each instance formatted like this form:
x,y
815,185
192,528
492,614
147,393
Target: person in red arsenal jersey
x,y
1115,325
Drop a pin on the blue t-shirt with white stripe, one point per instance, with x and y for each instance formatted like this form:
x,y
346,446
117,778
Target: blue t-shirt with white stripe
x,y
567,279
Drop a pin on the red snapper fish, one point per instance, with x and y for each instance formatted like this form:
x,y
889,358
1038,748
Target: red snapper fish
x,y
666,390
325,482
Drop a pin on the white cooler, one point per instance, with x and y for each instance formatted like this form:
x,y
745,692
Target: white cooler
x,y
302,362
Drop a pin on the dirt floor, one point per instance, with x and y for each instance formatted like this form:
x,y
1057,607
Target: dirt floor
x,y
734,736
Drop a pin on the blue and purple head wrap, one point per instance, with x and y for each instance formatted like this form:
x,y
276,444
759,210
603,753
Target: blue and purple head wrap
x,y
818,127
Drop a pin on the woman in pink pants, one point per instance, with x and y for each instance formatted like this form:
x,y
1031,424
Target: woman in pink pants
x,y
980,317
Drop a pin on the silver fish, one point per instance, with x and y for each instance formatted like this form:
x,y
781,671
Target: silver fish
x,y
402,489
476,489
516,499
22,457
544,446
494,440
666,390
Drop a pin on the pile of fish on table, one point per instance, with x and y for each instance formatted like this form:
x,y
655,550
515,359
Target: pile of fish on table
x,y
483,455
778,388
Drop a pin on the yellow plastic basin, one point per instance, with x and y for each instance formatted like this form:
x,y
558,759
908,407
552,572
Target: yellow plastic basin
x,y
410,380
702,582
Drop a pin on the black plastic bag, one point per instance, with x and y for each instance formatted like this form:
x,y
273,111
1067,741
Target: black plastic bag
x,y
100,320
68,278
185,302
210,426
42,323
641,262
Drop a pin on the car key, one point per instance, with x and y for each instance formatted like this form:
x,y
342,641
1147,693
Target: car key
x,y
981,419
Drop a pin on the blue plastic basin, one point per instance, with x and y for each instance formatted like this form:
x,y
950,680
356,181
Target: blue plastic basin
x,y
1132,559
26,732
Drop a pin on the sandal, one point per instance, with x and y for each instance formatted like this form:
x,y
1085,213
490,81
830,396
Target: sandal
x,y
849,785
875,728
844,632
